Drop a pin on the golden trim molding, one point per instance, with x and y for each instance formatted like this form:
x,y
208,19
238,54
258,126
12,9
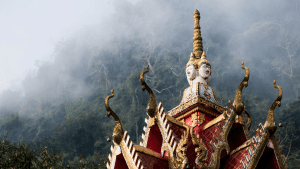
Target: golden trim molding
x,y
244,145
147,151
175,121
197,99
188,113
213,122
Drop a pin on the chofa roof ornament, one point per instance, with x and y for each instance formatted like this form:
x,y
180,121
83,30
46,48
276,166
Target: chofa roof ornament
x,y
270,122
118,130
152,106
238,105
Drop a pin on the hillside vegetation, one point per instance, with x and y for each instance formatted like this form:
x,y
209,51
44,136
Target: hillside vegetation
x,y
60,112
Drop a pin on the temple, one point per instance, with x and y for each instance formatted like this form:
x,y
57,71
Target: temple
x,y
199,132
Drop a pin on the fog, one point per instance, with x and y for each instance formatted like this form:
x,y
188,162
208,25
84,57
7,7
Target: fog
x,y
30,30
52,51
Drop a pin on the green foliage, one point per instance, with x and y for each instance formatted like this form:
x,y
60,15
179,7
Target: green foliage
x,y
20,156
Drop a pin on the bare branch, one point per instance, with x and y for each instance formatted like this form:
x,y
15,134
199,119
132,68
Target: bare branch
x,y
288,151
172,71
164,89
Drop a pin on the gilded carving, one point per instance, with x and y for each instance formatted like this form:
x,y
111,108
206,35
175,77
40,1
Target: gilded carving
x,y
238,105
206,94
173,163
201,118
200,149
202,153
147,151
118,131
244,145
228,125
239,119
197,119
152,106
214,121
270,122
248,124
266,131
194,110
195,100
214,161
181,160
237,108
194,119
259,150
177,159
175,121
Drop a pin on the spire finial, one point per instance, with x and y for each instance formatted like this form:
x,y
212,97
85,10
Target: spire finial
x,y
197,45
198,56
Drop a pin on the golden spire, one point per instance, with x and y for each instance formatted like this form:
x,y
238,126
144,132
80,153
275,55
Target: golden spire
x,y
198,55
152,106
118,131
197,45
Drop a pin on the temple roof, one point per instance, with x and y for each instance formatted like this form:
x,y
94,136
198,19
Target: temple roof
x,y
198,133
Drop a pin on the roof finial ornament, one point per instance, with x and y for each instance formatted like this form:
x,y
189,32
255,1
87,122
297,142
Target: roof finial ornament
x,y
238,105
270,122
152,106
197,45
198,56
118,131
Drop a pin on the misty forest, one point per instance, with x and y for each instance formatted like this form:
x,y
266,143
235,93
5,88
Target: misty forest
x,y
58,118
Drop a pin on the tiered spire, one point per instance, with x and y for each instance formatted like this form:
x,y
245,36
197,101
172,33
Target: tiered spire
x,y
198,55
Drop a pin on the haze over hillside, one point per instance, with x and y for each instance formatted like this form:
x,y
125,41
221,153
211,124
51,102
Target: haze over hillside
x,y
113,47
262,34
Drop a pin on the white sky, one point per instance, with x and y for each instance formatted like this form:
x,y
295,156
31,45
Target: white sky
x,y
30,29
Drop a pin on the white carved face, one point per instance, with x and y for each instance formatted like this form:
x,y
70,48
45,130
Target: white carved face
x,y
190,73
204,71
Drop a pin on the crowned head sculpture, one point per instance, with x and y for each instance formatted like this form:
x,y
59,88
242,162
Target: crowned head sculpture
x,y
198,68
